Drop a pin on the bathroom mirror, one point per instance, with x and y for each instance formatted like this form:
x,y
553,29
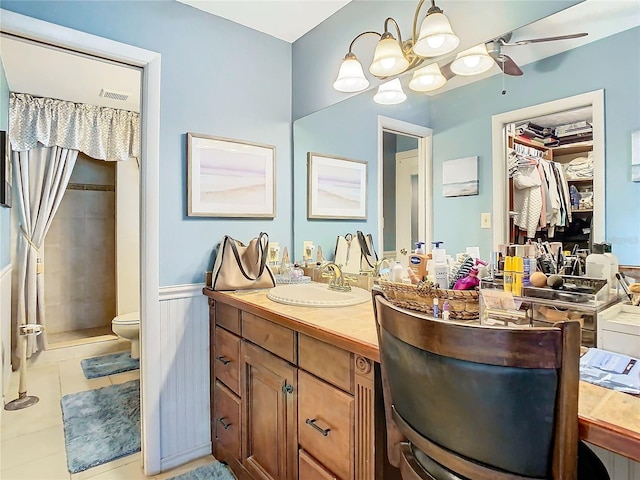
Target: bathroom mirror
x,y
461,120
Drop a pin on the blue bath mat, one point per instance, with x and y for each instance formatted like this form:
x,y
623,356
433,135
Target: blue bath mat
x,y
109,364
101,425
210,471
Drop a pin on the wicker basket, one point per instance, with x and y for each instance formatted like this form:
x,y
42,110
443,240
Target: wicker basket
x,y
464,304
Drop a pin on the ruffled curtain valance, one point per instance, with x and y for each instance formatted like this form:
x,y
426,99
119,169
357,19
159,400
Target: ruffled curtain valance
x,y
100,132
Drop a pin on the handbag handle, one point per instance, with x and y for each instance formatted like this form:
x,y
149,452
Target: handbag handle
x,y
261,253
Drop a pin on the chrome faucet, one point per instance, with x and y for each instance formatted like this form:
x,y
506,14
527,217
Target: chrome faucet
x,y
379,267
338,282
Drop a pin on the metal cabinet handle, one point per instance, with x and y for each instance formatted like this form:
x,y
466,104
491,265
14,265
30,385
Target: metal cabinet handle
x,y
223,423
312,422
224,361
287,388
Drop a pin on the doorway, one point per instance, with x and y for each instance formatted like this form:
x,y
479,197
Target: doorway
x,y
500,138
405,213
76,41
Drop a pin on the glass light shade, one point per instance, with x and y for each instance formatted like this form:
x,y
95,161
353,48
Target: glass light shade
x,y
350,77
427,78
388,59
436,36
390,93
472,61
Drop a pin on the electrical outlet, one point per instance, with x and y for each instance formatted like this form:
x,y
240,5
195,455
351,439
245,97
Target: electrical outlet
x,y
307,250
485,220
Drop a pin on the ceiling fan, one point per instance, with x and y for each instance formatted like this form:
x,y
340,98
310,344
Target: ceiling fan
x,y
505,62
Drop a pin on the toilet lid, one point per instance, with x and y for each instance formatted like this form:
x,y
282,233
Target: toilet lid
x,y
127,319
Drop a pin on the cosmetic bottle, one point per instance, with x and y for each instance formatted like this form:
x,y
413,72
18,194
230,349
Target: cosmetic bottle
x,y
445,310
508,272
396,272
435,307
517,265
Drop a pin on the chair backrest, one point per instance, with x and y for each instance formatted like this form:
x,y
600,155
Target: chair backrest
x,y
485,402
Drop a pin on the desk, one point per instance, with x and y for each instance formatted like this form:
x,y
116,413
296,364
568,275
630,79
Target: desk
x,y
607,418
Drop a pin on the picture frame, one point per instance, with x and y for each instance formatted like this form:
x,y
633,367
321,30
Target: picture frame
x,y
5,170
460,177
336,187
230,178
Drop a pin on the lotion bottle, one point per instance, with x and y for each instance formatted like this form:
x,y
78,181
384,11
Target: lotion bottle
x,y
396,272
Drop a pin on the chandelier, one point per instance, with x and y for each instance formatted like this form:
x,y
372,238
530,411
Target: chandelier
x,y
394,56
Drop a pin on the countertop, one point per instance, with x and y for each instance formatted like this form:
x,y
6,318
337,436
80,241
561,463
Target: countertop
x,y
607,418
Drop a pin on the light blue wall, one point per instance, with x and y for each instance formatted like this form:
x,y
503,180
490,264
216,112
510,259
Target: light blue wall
x,y
218,78
5,217
318,54
461,120
347,129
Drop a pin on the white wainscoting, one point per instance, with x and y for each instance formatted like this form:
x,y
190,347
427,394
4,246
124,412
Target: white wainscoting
x,y
5,328
185,433
619,467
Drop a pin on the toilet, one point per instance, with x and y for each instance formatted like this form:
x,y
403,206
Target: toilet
x,y
127,326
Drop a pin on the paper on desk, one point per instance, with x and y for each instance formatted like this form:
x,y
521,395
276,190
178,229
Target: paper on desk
x,y
610,370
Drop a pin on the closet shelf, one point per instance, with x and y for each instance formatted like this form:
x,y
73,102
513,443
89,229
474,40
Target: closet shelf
x,y
582,210
579,180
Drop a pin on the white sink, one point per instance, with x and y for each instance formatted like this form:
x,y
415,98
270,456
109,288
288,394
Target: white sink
x,y
317,295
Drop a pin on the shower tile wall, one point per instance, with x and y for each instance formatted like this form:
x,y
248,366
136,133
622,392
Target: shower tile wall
x,y
79,253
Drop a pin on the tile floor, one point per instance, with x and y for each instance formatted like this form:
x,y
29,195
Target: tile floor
x,y
32,440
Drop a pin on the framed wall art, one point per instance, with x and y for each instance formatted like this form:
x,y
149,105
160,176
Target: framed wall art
x,y
460,177
230,178
336,187
5,169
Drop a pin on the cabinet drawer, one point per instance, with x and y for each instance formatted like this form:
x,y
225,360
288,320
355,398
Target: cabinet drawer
x,y
326,424
227,359
270,336
226,423
228,317
310,469
326,361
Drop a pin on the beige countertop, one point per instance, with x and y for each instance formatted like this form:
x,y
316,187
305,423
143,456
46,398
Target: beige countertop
x,y
607,418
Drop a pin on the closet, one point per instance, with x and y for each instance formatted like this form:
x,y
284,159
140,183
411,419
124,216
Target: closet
x,y
550,169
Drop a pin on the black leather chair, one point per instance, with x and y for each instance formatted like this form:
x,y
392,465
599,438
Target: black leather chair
x,y
478,402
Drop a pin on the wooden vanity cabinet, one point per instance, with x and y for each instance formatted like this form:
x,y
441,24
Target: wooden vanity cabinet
x,y
305,407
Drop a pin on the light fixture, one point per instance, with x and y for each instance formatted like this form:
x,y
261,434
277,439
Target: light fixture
x,y
427,78
350,77
473,61
390,93
436,35
393,56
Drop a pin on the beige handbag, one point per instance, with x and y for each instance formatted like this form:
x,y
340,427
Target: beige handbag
x,y
355,253
240,267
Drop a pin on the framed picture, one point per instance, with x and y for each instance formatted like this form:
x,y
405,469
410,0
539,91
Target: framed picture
x,y
460,177
5,169
230,178
336,187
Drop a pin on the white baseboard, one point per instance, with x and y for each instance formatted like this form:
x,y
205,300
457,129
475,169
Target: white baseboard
x,y
180,291
173,461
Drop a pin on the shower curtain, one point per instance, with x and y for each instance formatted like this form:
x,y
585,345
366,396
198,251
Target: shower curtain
x,y
46,136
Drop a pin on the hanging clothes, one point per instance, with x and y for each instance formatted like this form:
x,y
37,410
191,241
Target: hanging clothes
x,y
527,199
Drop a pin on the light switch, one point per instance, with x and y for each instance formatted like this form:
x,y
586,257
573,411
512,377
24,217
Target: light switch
x,y
485,220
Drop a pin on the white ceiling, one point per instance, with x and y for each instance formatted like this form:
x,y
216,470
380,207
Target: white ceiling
x,y
284,19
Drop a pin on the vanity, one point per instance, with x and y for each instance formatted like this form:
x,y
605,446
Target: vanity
x,y
296,393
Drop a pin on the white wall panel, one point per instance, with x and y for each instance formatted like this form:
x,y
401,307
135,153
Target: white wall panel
x,y
184,394
619,467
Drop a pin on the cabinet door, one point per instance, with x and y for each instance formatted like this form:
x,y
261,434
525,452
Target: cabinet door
x,y
226,424
312,470
270,435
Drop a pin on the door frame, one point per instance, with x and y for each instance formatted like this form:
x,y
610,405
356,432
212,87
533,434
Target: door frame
x,y
595,100
425,173
402,158
149,61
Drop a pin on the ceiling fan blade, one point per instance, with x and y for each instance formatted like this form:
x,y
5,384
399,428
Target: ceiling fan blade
x,y
446,71
508,66
546,39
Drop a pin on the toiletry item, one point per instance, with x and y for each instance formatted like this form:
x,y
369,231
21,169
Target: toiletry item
x,y
574,195
528,264
396,272
440,265
435,307
445,310
517,265
613,260
419,248
412,276
418,261
597,265
508,272
297,273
